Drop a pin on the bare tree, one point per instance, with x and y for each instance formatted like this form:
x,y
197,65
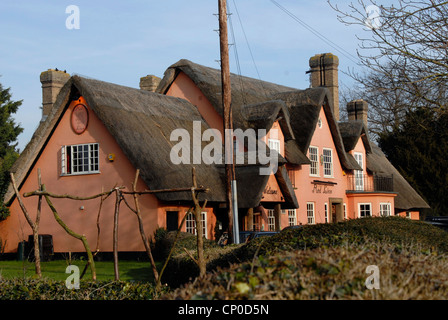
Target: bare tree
x,y
406,47
42,192
387,104
33,224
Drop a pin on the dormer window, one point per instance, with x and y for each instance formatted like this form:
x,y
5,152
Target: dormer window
x,y
80,159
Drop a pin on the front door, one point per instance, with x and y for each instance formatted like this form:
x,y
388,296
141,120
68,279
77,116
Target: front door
x,y
337,209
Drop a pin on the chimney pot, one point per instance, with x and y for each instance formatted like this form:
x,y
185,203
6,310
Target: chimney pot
x,y
358,110
149,83
52,82
324,73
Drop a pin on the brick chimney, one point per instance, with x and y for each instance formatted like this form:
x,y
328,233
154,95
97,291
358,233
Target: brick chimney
x,y
357,110
52,82
149,83
324,73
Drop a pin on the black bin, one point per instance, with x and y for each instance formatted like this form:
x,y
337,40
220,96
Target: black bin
x,y
21,250
45,247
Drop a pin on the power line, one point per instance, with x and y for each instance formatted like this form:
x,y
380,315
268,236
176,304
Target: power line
x,y
317,34
247,42
236,55
248,46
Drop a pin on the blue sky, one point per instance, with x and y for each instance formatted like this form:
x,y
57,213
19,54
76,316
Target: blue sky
x,y
121,41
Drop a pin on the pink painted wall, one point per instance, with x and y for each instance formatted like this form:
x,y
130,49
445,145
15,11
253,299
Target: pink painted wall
x,y
183,87
414,215
119,172
374,199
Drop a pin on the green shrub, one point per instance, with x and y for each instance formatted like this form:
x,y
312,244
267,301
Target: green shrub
x,y
396,230
180,267
327,273
157,245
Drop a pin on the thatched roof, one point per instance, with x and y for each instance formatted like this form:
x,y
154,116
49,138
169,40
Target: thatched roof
x,y
142,122
245,90
304,108
407,198
351,131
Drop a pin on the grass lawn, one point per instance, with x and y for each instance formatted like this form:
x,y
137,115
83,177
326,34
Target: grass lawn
x,y
128,270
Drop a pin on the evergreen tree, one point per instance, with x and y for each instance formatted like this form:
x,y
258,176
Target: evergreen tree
x,y
418,148
9,131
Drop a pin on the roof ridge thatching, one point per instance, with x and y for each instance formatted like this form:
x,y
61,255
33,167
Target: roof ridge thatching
x,y
351,131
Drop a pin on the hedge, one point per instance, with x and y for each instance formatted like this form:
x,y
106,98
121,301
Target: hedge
x,y
46,289
395,230
405,272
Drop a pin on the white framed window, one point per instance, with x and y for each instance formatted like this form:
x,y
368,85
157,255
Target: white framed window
x,y
190,223
80,159
364,210
274,144
314,158
385,209
408,215
328,162
292,217
359,181
310,212
271,220
326,212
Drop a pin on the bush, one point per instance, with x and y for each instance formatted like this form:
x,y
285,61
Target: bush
x,y
181,268
38,289
395,230
327,273
158,247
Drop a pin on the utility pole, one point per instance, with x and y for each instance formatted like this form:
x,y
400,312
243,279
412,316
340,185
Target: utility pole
x,y
231,200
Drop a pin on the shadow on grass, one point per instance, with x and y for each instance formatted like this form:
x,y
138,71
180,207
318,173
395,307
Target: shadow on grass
x,y
141,273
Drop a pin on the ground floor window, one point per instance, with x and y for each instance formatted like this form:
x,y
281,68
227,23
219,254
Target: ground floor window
x,y
326,212
345,211
271,220
310,212
385,209
365,210
190,223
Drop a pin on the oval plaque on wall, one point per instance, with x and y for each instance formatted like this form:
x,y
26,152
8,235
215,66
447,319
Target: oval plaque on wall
x,y
80,118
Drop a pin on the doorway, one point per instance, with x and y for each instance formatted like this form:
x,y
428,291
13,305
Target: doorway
x,y
336,209
172,220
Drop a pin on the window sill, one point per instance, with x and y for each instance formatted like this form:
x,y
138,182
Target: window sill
x,y
79,174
